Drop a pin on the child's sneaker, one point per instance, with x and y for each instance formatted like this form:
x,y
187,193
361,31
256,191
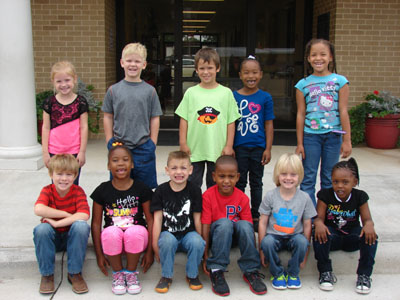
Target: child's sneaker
x,y
194,283
219,285
163,285
326,281
132,283
293,282
118,283
257,286
363,285
279,282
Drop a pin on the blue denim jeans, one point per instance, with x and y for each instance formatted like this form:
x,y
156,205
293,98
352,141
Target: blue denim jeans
x,y
319,147
350,242
198,172
144,163
222,233
191,243
249,161
48,241
271,244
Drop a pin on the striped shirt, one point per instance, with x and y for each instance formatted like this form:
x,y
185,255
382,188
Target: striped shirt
x,y
75,201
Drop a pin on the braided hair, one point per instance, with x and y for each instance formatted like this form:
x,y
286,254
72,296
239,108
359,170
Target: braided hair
x,y
350,165
331,67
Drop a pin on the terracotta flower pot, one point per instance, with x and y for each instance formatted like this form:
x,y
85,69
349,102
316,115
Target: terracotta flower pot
x,y
382,133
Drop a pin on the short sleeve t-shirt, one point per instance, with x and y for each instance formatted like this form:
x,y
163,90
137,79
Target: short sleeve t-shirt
x,y
342,215
286,217
122,208
255,109
73,202
177,207
321,94
133,104
235,207
65,135
208,113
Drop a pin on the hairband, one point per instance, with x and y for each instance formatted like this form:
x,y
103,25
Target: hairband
x,y
117,144
251,57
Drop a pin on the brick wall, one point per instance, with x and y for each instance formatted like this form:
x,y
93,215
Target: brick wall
x,y
81,31
367,43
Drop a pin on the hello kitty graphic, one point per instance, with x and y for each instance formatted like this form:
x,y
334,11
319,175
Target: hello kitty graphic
x,y
325,102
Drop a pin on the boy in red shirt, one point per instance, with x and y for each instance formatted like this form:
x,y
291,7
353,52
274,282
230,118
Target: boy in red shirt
x,y
226,218
64,210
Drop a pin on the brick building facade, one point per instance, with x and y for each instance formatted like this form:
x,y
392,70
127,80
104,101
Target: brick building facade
x,y
366,34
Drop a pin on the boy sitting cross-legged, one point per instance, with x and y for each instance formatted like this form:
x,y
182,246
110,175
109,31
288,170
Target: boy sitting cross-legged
x,y
177,209
226,219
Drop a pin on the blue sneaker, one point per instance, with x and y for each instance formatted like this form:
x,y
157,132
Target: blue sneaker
x,y
279,282
293,282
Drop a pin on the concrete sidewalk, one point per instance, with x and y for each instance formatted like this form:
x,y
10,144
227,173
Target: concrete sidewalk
x,y
19,275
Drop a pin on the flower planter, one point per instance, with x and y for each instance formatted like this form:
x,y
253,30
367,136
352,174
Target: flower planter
x,y
382,133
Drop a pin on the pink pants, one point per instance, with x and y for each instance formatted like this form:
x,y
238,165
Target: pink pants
x,y
114,239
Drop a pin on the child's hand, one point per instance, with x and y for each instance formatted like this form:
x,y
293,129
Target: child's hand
x,y
147,260
266,157
262,258
300,151
103,264
46,159
204,264
369,232
228,151
345,149
321,233
81,158
185,148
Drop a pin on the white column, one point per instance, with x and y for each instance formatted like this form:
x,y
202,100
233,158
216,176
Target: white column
x,y
19,148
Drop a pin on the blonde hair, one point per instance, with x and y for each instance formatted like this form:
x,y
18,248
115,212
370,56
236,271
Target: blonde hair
x,y
63,163
207,55
288,162
178,155
63,66
135,48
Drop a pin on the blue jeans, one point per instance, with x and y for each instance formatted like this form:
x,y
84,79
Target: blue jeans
x,y
198,172
144,163
222,233
249,161
350,242
319,147
48,241
191,243
271,244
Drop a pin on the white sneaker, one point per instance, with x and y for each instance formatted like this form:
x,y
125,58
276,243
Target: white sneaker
x,y
118,283
363,285
132,283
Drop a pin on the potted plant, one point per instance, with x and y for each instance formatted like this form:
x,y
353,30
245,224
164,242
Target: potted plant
x,y
376,121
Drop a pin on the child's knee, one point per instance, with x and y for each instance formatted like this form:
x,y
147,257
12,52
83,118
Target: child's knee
x,y
80,227
43,230
135,239
167,241
111,240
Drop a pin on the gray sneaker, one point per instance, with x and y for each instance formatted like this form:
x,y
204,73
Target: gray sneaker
x,y
326,281
363,285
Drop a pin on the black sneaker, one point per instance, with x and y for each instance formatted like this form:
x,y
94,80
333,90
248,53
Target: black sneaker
x,y
363,285
326,281
219,285
257,286
163,285
194,283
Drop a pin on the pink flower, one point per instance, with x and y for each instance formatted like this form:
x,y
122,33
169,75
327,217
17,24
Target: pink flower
x,y
376,92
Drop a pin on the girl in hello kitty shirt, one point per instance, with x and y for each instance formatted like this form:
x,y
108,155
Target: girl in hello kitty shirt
x,y
254,132
322,123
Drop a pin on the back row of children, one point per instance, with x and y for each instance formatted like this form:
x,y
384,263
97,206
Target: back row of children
x,y
208,113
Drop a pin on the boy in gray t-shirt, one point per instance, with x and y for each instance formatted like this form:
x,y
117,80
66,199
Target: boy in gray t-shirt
x,y
285,222
132,115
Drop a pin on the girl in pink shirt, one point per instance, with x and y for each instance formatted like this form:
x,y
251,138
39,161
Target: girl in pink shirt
x,y
65,117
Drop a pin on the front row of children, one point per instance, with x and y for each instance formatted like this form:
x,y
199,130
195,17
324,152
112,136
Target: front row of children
x,y
185,220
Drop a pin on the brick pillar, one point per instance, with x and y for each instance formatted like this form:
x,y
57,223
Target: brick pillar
x,y
19,148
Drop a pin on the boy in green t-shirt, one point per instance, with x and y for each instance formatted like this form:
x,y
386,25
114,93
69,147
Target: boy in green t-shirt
x,y
208,113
